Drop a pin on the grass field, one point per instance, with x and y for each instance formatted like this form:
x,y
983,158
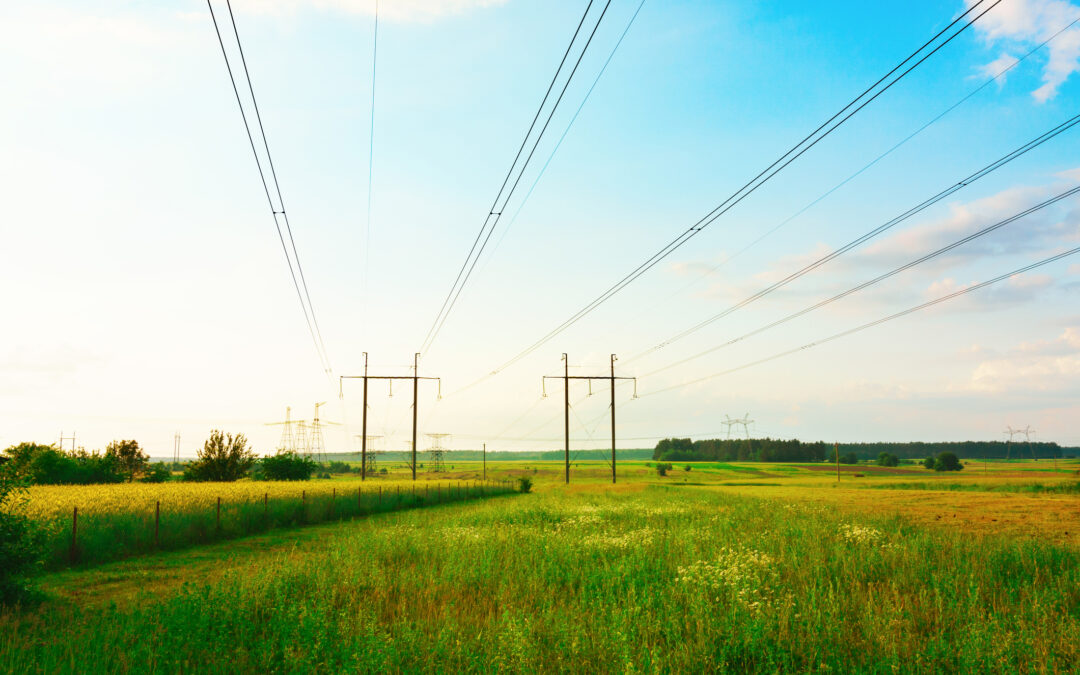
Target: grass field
x,y
721,568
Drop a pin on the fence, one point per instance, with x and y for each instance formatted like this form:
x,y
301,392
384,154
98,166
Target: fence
x,y
118,534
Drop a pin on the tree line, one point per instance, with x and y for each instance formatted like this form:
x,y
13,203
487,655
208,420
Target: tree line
x,y
886,454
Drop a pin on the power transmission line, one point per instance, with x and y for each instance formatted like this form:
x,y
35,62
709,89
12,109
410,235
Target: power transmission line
x,y
1001,73
493,217
558,144
858,241
918,261
303,295
851,331
371,153
796,151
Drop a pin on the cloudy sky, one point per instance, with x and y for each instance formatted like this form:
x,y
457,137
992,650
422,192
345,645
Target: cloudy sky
x,y
146,292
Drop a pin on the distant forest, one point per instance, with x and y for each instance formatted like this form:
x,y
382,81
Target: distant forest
x,y
497,456
777,450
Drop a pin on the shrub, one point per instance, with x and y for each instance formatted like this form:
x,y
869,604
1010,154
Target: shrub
x,y
286,466
21,541
887,459
687,468
223,457
129,457
45,465
947,461
341,467
157,473
524,485
662,468
928,463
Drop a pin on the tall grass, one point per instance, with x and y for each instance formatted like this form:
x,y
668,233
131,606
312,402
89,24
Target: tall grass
x,y
180,520
663,580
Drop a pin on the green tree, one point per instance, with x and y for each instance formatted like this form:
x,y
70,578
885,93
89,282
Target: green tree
x,y
287,466
223,457
947,461
129,457
928,463
158,472
21,541
887,459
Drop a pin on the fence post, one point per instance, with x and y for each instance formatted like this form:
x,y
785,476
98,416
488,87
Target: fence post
x,y
380,495
333,503
266,507
157,524
219,513
359,499
303,505
74,553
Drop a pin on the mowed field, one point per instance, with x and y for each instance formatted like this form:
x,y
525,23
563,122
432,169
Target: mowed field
x,y
722,567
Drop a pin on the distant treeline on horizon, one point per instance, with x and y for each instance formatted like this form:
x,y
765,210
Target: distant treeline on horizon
x,y
779,450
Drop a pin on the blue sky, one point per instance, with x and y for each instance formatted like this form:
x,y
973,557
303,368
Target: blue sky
x,y
146,292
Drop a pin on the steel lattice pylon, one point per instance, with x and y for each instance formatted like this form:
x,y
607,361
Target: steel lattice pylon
x,y
437,452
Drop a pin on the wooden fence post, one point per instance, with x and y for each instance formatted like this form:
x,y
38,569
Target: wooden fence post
x,y
157,524
359,499
266,507
333,503
219,513
74,553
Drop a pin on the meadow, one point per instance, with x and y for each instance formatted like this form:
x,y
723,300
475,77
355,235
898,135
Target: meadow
x,y
688,572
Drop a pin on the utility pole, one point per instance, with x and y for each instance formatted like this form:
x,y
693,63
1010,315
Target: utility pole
x,y
176,448
415,377
565,377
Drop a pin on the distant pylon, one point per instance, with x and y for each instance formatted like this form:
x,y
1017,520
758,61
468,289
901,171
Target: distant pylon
x,y
316,440
437,452
67,438
288,440
1026,432
371,456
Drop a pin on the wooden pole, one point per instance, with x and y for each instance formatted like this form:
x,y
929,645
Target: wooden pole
x,y
415,387
157,524
219,513
74,553
612,419
363,436
566,413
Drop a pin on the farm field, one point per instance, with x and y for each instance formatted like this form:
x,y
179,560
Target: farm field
x,y
723,568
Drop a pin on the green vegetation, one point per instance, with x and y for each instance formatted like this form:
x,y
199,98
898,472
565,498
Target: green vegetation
x,y
947,461
1072,488
286,466
660,580
222,458
887,459
742,450
129,458
46,465
20,542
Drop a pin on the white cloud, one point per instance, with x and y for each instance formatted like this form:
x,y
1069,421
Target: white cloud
x,y
1027,23
396,10
1046,365
999,65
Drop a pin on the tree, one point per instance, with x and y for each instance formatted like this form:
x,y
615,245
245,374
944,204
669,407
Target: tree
x,y
887,459
21,541
129,457
287,466
223,457
928,463
947,461
157,473
37,464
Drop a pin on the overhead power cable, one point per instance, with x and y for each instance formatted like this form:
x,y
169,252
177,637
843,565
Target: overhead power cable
x,y
821,132
858,241
878,322
495,212
994,78
918,261
277,210
371,154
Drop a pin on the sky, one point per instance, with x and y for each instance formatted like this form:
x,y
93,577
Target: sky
x,y
146,294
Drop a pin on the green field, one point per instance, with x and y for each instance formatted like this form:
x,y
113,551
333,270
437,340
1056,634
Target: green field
x,y
655,574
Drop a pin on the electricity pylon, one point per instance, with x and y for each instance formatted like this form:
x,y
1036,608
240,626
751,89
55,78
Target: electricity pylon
x,y
288,440
1026,432
415,377
368,463
566,377
316,440
437,452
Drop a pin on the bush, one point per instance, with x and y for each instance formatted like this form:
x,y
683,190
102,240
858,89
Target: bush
x,y
687,468
341,467
887,459
21,542
129,457
286,466
223,457
524,485
45,465
662,468
928,463
947,461
157,473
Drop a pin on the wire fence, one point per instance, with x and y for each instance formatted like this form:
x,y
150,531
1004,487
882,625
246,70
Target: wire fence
x,y
89,537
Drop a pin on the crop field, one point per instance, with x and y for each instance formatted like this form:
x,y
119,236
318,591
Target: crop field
x,y
717,568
